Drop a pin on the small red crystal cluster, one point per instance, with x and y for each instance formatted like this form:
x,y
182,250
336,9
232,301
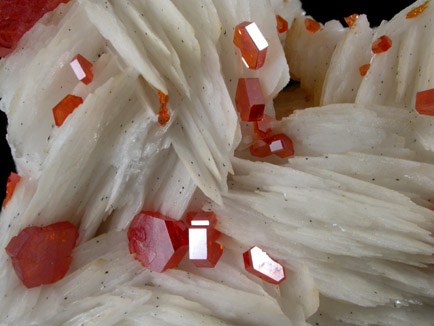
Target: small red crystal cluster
x,y
82,69
163,114
351,20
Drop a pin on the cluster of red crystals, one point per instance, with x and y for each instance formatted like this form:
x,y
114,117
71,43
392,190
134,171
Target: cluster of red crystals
x,y
282,24
204,251
280,145
17,17
10,187
163,115
82,69
157,241
252,44
417,11
249,99
258,263
311,25
65,107
425,102
351,20
42,255
364,69
262,128
381,44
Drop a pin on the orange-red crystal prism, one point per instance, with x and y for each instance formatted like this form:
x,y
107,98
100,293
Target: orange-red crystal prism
x,y
311,25
260,148
425,102
10,187
258,263
262,128
65,107
157,241
417,11
82,69
351,20
252,44
282,24
42,255
364,69
381,44
249,99
163,114
281,145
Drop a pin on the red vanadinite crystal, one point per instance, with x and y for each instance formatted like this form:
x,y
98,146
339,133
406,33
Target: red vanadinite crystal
x,y
281,145
262,128
282,24
260,148
381,44
417,11
17,17
82,69
258,263
425,102
311,25
157,241
163,115
252,44
42,255
65,107
206,220
364,69
10,187
351,20
249,99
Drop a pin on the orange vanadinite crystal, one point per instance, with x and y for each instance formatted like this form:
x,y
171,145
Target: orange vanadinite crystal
x,y
163,114
425,102
282,24
252,44
258,263
10,187
417,11
260,148
280,145
65,107
262,128
381,44
157,241
82,69
311,25
364,69
249,99
351,20
42,255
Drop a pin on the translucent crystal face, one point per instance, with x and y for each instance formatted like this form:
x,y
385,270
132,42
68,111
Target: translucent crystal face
x,y
258,263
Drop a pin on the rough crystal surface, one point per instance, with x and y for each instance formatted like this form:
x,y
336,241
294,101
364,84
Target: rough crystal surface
x,y
157,241
42,255
82,69
381,44
65,107
249,99
425,102
10,187
258,263
252,44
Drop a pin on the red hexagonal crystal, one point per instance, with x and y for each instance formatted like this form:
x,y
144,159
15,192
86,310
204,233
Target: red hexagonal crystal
x,y
82,69
249,99
312,26
157,241
42,255
17,17
65,107
258,263
206,220
282,24
260,148
280,145
252,44
262,128
425,102
203,252
10,187
381,44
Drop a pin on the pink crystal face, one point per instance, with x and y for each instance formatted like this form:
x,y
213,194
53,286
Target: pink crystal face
x,y
252,44
258,263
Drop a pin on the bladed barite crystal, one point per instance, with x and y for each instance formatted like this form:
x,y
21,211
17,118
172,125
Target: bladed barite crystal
x,y
381,44
12,182
157,241
425,102
65,107
252,44
42,255
249,99
258,263
82,69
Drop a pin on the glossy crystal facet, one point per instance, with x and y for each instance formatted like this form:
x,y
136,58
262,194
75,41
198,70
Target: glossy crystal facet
x,y
249,99
425,102
157,241
252,44
258,263
65,107
82,69
281,145
42,255
203,252
12,182
381,44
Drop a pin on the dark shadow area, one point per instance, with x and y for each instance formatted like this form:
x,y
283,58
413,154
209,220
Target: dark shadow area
x,y
7,164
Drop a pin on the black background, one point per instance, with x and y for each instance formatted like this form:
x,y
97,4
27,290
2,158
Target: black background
x,y
321,10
